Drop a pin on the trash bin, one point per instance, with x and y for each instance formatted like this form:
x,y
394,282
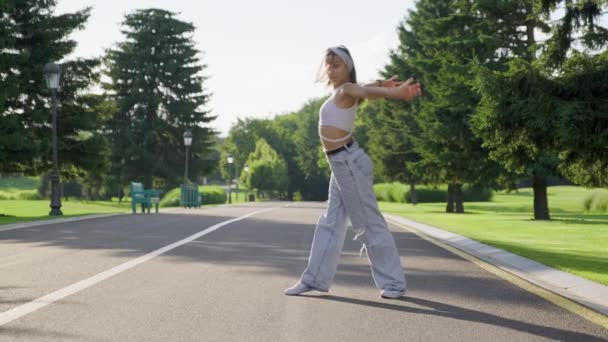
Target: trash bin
x,y
251,198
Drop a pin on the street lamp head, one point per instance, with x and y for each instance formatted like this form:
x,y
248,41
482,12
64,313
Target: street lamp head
x,y
230,159
52,74
188,137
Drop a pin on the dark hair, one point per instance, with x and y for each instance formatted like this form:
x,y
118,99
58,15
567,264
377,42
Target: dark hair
x,y
353,73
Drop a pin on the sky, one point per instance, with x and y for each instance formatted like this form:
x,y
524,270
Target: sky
x,y
262,56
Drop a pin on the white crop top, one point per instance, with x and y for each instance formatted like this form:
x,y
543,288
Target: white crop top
x,y
332,115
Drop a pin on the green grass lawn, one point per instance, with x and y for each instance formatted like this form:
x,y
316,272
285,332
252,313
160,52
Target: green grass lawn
x,y
33,210
573,241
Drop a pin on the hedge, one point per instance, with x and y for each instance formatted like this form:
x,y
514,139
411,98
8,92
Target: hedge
x,y
210,195
398,192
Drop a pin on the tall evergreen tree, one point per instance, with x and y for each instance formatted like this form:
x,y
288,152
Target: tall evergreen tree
x,y
390,128
518,119
157,84
583,119
30,36
440,40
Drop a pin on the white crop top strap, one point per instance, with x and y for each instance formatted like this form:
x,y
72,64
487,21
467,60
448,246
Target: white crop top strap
x,y
332,115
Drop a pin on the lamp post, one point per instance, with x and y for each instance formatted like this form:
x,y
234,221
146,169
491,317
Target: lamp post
x,y
246,169
52,74
230,161
236,173
187,142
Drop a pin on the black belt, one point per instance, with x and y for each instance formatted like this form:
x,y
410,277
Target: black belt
x,y
340,149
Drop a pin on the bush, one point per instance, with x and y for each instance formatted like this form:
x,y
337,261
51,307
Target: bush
x,y
19,183
429,195
213,194
19,195
597,201
209,194
398,192
477,194
382,191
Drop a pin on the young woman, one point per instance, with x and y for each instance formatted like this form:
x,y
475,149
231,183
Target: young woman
x,y
351,193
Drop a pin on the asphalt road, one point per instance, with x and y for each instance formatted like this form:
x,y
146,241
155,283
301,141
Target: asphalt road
x,y
149,278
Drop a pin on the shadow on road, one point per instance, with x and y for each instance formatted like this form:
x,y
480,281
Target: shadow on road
x,y
463,314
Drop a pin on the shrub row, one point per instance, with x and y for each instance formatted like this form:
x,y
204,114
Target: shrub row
x,y
398,192
210,195
20,195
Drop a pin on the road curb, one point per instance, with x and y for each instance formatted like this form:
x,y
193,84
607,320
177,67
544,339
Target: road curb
x,y
585,292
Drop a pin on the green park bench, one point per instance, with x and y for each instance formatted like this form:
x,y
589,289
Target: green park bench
x,y
146,198
190,197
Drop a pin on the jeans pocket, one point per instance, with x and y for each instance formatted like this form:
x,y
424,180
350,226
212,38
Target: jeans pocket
x,y
364,164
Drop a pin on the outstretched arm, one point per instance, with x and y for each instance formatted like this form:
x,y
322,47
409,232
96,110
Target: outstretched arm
x,y
389,83
406,91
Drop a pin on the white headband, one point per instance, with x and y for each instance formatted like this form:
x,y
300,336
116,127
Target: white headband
x,y
343,56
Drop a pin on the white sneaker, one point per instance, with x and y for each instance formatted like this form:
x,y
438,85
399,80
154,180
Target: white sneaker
x,y
391,294
297,289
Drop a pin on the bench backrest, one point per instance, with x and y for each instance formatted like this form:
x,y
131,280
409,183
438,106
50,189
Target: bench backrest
x,y
136,188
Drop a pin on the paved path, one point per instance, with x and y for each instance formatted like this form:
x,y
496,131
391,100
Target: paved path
x,y
215,275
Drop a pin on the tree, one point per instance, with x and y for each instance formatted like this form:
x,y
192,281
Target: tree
x,y
314,182
439,42
157,84
241,142
295,138
519,117
267,170
390,128
31,36
583,122
518,124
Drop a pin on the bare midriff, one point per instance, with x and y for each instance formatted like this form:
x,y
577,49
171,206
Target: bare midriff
x,y
331,132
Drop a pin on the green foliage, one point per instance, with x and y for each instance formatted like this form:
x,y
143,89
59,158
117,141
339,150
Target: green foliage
x,y
431,140
597,202
19,188
35,36
157,85
390,129
209,194
19,195
577,25
295,139
516,117
267,170
400,193
583,121
19,183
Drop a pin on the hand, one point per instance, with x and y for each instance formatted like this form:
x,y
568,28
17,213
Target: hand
x,y
391,82
409,90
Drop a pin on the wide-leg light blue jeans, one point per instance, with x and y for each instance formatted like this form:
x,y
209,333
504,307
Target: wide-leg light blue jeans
x,y
351,195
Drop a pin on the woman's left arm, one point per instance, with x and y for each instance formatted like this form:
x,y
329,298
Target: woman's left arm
x,y
404,91
391,82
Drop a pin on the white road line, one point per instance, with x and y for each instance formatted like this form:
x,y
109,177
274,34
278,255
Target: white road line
x,y
36,304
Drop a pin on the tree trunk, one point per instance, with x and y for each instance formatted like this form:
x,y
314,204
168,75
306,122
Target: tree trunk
x,y
459,198
541,206
450,205
413,198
